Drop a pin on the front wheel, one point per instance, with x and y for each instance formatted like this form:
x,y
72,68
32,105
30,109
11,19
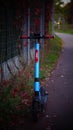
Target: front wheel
x,y
35,110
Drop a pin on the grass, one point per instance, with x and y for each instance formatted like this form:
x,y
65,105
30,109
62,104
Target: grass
x,y
67,28
16,94
51,56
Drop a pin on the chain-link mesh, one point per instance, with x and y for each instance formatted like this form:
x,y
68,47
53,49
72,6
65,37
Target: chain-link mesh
x,y
18,18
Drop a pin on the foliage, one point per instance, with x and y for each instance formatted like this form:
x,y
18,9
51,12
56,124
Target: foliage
x,y
15,99
52,53
58,8
67,28
64,11
67,12
55,49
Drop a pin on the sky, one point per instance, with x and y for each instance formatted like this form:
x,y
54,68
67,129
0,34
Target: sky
x,y
66,1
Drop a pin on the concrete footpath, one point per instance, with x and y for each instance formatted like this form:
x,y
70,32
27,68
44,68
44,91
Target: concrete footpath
x,y
60,88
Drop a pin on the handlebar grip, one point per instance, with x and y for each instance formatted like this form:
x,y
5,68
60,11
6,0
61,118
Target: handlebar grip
x,y
49,36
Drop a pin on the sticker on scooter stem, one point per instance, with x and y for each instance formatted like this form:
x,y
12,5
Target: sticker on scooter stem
x,y
36,56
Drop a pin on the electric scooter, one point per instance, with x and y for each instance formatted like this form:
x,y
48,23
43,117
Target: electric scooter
x,y
40,95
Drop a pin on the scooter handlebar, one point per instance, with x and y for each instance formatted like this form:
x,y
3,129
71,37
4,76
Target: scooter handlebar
x,y
47,36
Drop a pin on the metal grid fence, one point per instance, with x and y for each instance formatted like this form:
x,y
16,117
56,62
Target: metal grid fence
x,y
18,18
8,35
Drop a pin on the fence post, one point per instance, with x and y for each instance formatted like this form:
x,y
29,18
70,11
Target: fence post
x,y
42,21
28,35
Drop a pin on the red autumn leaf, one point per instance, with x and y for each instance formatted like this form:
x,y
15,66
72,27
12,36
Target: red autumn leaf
x,y
4,83
25,44
22,85
14,92
1,70
23,94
